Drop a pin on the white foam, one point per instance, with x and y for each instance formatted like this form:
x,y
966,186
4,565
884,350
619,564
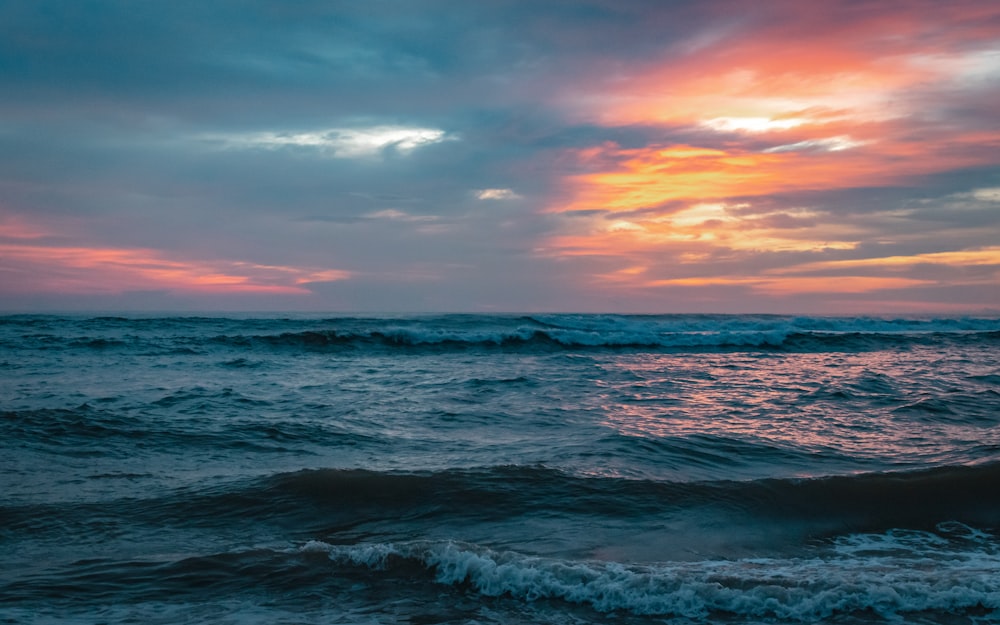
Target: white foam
x,y
849,579
952,541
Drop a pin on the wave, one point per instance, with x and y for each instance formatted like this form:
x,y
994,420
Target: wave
x,y
580,332
889,583
548,340
884,544
868,502
540,332
325,500
946,573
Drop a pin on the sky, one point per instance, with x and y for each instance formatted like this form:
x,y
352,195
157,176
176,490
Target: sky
x,y
620,156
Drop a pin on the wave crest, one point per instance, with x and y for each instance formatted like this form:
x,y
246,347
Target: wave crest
x,y
800,589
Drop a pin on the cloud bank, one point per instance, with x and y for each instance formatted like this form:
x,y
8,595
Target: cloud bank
x,y
628,156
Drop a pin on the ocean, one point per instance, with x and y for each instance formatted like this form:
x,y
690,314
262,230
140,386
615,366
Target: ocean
x,y
499,469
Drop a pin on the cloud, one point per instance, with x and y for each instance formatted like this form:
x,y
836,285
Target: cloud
x,y
991,195
493,156
497,194
341,142
751,124
85,270
831,144
396,215
861,104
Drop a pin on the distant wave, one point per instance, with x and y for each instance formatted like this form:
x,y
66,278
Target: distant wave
x,y
670,333
541,332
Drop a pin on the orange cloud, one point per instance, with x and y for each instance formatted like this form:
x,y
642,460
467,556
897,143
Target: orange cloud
x,y
37,269
821,97
985,256
795,285
815,152
845,59
979,268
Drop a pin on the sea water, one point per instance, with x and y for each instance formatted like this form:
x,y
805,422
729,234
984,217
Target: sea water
x,y
499,469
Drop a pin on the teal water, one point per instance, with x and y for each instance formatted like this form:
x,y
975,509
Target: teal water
x,y
499,469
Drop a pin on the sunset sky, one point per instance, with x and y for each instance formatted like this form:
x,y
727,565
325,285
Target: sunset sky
x,y
588,155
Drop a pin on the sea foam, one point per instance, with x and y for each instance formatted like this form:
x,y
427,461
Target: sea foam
x,y
915,577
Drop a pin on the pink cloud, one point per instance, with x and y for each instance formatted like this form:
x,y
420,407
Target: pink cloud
x,y
89,270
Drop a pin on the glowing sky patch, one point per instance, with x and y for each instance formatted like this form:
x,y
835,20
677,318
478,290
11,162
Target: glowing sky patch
x,y
751,124
341,142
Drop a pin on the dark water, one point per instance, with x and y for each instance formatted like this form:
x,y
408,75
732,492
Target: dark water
x,y
499,469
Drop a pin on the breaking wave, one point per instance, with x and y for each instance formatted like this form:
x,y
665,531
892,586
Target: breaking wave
x,y
905,572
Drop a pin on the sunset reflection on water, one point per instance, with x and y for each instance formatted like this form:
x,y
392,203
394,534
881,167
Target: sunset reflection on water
x,y
831,404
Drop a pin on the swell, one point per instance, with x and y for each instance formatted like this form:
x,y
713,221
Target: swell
x,y
325,501
865,502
